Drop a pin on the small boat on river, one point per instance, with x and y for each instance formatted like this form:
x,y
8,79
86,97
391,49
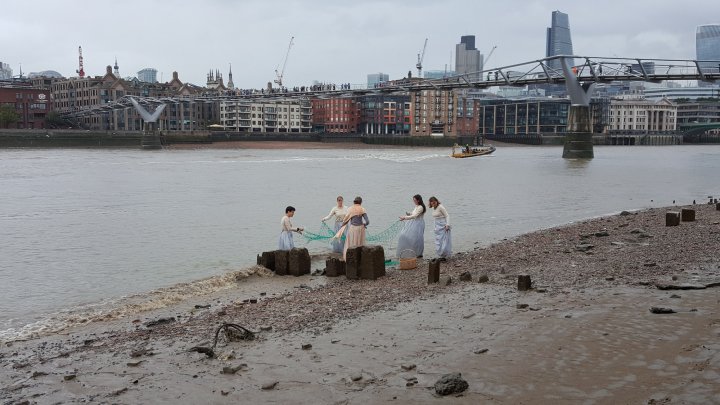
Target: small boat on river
x,y
471,151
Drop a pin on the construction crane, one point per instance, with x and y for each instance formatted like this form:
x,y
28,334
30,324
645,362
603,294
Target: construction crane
x,y
80,71
421,56
489,55
281,73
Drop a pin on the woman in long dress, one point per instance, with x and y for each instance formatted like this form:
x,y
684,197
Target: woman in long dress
x,y
338,212
443,240
355,221
412,236
285,242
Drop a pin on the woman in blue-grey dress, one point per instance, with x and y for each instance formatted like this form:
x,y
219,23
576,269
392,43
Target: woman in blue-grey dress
x,y
285,241
412,236
443,240
338,212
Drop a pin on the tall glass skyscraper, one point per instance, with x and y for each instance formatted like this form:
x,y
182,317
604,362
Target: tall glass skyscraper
x,y
707,46
558,41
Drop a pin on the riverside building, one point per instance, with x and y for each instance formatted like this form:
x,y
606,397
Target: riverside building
x,y
638,115
31,104
286,116
449,113
77,94
336,115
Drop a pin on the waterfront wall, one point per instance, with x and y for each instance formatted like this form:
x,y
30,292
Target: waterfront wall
x,y
68,139
23,138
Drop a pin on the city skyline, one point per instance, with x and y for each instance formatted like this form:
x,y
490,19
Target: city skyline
x,y
337,42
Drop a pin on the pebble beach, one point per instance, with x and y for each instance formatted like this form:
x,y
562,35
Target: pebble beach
x,y
585,333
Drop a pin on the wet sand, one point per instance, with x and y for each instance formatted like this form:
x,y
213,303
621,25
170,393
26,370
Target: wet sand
x,y
584,334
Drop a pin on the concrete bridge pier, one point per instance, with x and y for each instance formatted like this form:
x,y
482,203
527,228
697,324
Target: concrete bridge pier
x,y
578,139
150,137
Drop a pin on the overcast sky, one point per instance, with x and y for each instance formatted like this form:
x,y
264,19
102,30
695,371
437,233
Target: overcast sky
x,y
336,41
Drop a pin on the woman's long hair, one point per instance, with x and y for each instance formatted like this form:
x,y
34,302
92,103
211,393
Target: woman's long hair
x,y
418,198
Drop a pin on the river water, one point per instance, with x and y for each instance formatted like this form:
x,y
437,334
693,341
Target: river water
x,y
83,228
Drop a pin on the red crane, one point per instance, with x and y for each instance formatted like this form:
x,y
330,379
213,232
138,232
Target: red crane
x,y
80,71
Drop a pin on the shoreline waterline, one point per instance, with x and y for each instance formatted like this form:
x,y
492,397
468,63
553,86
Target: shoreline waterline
x,y
220,290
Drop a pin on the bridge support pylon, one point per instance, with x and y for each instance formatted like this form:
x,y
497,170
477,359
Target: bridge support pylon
x,y
578,138
150,137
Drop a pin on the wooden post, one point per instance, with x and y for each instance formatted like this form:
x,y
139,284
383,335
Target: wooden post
x,y
434,271
672,218
687,215
524,283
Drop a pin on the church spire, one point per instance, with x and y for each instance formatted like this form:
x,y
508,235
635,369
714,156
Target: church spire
x,y
231,85
116,69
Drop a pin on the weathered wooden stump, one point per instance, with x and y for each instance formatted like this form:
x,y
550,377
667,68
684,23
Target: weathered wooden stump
x,y
281,262
372,262
672,218
687,215
434,271
352,263
267,260
299,262
334,267
524,283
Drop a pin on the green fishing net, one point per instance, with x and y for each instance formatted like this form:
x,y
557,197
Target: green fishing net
x,y
382,237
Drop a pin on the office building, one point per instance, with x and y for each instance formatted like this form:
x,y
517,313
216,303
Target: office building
x,y
468,60
558,40
707,47
5,71
147,75
638,115
437,74
376,79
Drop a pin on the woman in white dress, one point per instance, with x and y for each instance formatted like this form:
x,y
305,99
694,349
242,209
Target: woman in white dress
x,y
355,221
337,212
286,238
412,236
443,240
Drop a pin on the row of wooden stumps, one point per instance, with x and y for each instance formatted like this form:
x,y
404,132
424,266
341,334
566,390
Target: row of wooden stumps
x,y
524,282
294,262
364,262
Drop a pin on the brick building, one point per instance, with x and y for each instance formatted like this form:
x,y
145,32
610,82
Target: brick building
x,y
31,104
91,93
449,113
335,115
